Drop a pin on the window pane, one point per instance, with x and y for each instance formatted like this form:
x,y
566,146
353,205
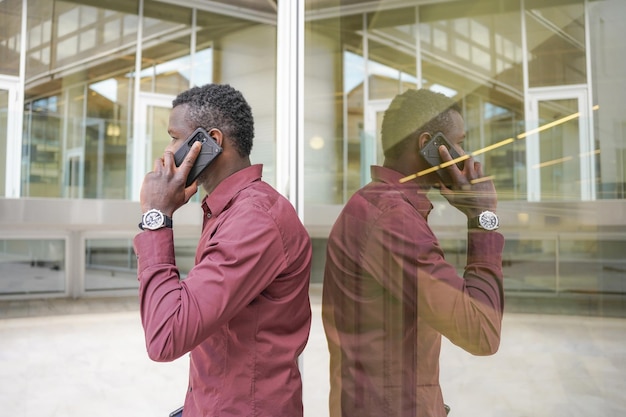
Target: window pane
x,y
77,122
42,148
10,22
111,264
556,44
607,59
167,44
559,164
593,265
480,65
32,266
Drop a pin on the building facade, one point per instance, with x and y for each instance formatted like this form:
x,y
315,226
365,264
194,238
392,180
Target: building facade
x,y
86,87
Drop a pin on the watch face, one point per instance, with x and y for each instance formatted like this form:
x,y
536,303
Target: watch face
x,y
488,220
153,219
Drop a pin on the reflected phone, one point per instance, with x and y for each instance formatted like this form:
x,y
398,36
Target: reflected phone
x,y
177,413
430,152
210,150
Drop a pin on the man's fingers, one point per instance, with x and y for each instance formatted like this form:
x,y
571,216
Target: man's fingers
x,y
158,163
444,154
190,159
191,190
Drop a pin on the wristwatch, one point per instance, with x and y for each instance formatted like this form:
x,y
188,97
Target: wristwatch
x,y
487,220
153,219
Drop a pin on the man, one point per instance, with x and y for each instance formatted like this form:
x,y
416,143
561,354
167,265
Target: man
x,y
243,311
389,294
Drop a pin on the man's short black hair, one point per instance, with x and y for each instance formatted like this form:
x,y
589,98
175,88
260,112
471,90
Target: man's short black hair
x,y
412,113
223,107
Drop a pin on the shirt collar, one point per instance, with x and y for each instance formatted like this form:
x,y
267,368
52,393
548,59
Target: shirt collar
x,y
414,193
226,190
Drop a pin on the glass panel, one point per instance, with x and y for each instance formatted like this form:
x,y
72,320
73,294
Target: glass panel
x,y
491,121
39,41
556,43
4,114
11,23
42,148
107,148
86,30
529,265
167,46
111,264
241,51
157,136
32,266
474,55
607,52
76,122
592,266
559,149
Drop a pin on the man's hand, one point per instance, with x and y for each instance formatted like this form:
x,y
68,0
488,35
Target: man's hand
x,y
164,187
471,192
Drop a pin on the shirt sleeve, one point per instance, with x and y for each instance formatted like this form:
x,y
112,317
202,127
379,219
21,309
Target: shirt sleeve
x,y
467,310
240,260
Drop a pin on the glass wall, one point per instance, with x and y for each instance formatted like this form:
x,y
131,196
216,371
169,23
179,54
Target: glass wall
x,y
95,119
525,75
537,81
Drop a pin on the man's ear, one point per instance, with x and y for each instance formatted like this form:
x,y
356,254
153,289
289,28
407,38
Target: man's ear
x,y
423,138
217,135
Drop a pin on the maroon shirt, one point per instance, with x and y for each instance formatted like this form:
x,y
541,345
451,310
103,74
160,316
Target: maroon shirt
x,y
243,311
389,295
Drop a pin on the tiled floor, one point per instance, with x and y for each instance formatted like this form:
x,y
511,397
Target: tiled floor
x,y
87,358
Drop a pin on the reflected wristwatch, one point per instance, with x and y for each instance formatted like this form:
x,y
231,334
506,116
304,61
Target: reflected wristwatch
x,y
487,220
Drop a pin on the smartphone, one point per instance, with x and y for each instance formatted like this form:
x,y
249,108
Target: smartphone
x,y
430,152
210,150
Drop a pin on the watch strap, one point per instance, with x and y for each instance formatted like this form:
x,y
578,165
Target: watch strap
x,y
473,223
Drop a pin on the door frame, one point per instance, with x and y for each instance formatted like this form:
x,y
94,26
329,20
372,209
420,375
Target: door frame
x,y
371,146
580,93
13,151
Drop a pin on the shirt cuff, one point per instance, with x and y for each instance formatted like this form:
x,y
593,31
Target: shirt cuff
x,y
484,247
154,247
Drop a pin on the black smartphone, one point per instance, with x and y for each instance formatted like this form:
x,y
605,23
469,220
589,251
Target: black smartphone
x,y
210,150
430,152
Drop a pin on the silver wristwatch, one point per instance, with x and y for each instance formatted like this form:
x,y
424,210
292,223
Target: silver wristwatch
x,y
153,219
487,220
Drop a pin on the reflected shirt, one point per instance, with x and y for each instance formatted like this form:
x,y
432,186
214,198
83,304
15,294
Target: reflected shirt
x,y
243,311
389,294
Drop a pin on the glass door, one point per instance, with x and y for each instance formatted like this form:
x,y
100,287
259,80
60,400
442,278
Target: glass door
x,y
560,151
151,135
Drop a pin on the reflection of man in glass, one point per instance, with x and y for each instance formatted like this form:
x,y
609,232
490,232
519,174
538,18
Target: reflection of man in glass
x,y
389,294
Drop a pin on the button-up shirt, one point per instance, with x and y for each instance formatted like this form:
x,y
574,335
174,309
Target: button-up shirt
x,y
243,310
389,295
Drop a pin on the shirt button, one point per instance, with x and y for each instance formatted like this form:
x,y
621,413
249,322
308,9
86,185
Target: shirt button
x,y
208,215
